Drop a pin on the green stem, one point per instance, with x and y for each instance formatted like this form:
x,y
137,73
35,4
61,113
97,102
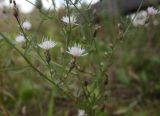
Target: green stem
x,y
33,67
133,18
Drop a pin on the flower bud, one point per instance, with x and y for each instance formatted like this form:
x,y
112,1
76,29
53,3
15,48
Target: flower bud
x,y
15,10
48,56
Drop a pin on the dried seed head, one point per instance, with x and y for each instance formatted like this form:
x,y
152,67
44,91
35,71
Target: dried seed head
x,y
15,10
106,79
72,64
111,46
48,56
103,106
120,26
97,27
14,2
120,31
39,4
10,1
86,82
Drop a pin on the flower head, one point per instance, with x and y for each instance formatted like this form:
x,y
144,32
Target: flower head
x,y
69,19
26,25
81,113
47,44
151,11
20,39
139,19
76,51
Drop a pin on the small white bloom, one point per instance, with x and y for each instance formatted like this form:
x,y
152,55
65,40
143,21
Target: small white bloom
x,y
139,19
81,113
20,39
152,11
69,19
26,25
47,44
76,51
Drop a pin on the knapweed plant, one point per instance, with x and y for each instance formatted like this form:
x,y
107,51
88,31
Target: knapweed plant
x,y
74,58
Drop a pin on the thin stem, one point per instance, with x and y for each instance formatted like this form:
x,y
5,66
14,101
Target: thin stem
x,y
82,14
19,23
33,67
133,18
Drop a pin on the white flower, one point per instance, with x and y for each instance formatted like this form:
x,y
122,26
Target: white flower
x,y
76,51
26,25
139,19
69,19
47,44
20,39
81,113
152,11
